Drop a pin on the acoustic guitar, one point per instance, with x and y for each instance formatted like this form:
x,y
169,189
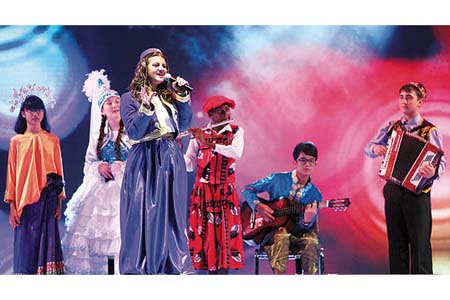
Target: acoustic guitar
x,y
286,214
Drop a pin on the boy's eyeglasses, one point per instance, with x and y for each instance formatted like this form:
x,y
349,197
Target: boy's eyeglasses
x,y
304,161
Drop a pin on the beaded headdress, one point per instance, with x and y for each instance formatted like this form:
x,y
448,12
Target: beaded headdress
x,y
19,95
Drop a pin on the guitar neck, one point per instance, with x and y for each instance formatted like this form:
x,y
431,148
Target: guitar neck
x,y
300,207
289,210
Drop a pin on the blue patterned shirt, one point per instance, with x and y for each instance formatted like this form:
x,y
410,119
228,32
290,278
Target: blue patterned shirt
x,y
109,152
279,185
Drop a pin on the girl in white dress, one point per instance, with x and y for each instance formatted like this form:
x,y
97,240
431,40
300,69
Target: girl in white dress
x,y
92,215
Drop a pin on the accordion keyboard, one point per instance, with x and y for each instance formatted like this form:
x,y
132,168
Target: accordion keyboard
x,y
428,158
385,161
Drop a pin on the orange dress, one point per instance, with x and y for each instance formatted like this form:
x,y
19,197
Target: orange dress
x,y
31,157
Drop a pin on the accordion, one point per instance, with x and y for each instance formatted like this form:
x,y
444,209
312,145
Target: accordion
x,y
406,152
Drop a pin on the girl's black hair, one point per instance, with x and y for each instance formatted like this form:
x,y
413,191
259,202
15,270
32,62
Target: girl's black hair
x,y
31,102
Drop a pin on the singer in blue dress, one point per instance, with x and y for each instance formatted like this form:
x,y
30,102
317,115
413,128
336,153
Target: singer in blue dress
x,y
154,198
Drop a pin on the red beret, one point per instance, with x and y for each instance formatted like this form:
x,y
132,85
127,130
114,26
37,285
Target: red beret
x,y
216,101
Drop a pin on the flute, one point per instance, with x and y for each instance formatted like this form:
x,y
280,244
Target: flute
x,y
185,133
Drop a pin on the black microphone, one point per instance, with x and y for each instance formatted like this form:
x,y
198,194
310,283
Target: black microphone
x,y
185,87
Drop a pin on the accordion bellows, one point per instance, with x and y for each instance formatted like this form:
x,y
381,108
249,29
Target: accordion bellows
x,y
406,152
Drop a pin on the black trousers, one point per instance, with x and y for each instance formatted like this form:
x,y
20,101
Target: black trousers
x,y
408,221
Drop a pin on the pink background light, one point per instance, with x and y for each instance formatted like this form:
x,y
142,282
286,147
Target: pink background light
x,y
297,92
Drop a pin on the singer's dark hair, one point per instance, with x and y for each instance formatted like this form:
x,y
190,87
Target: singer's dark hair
x,y
32,103
141,79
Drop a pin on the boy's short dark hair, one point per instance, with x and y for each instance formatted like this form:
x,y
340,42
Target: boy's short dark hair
x,y
415,86
306,147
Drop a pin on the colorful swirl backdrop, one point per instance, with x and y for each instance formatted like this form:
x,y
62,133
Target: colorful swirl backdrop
x,y
333,85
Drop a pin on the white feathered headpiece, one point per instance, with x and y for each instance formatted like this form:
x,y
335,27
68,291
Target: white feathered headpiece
x,y
97,88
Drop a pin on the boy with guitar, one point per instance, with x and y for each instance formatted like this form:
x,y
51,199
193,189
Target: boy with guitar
x,y
300,235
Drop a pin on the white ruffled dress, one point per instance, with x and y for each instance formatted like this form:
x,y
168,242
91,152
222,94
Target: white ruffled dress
x,y
92,215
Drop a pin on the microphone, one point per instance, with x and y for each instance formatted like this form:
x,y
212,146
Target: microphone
x,y
185,87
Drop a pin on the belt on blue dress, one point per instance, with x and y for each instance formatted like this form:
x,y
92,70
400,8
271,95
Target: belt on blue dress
x,y
153,136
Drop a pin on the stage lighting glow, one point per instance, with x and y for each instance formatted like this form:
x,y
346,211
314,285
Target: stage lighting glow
x,y
348,39
45,56
295,91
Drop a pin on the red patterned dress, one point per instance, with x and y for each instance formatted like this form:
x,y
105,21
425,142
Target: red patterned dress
x,y
215,231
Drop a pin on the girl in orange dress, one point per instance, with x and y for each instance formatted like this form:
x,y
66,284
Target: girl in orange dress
x,y
34,189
